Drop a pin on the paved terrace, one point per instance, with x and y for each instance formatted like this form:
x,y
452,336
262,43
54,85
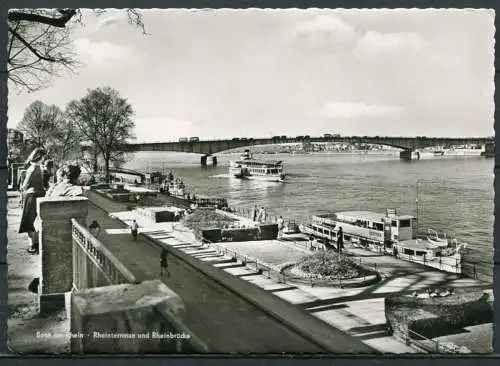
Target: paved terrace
x,y
222,319
24,321
357,311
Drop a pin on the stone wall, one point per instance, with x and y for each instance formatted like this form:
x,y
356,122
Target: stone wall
x,y
128,318
56,248
429,316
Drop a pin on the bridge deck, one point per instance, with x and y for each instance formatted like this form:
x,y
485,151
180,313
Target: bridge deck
x,y
225,321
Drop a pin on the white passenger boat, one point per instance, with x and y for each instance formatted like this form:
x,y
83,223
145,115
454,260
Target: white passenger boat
x,y
249,168
392,234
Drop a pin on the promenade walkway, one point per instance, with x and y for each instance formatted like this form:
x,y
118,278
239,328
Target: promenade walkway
x,y
226,322
24,322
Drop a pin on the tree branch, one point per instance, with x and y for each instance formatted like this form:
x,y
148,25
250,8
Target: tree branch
x,y
28,46
66,15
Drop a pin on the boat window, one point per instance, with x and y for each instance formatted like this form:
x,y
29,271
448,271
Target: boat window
x,y
420,253
378,226
404,223
394,223
409,251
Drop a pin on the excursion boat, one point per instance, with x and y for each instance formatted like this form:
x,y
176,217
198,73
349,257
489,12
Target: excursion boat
x,y
391,234
249,168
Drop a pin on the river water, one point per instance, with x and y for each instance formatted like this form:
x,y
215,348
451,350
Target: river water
x,y
456,194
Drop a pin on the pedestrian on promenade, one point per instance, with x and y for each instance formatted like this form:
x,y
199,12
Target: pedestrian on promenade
x,y
340,240
264,214
254,213
32,189
134,228
311,246
164,262
280,226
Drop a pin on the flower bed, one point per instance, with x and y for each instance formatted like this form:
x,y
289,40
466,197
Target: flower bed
x,y
329,269
326,266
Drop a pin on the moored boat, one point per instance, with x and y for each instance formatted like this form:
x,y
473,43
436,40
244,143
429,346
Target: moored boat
x,y
249,168
391,234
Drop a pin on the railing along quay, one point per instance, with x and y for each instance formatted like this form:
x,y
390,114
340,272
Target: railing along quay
x,y
276,271
87,246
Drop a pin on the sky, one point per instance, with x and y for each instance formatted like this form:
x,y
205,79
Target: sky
x,y
257,73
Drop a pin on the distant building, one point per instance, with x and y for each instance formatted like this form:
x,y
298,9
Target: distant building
x,y
14,137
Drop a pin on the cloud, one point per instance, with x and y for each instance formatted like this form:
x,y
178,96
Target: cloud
x,y
108,21
350,110
376,43
326,29
102,51
161,129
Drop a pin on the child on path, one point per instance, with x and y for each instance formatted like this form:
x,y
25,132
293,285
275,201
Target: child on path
x,y
134,228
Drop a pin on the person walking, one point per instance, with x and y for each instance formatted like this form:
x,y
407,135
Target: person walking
x,y
280,226
340,240
164,262
134,228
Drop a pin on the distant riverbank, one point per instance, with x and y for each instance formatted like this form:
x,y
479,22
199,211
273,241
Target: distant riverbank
x,y
424,154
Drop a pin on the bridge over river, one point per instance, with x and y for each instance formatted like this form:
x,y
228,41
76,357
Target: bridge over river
x,y
410,146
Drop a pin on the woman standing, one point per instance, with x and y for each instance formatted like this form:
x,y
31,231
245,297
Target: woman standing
x,y
32,189
48,174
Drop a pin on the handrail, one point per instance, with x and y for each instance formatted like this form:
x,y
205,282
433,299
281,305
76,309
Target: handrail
x,y
96,250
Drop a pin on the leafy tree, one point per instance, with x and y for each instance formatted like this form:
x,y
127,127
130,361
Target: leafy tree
x,y
40,45
47,126
104,119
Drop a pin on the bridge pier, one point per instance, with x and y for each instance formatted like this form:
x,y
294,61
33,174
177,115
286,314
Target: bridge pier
x,y
409,155
204,158
489,150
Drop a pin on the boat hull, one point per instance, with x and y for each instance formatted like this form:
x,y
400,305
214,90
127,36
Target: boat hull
x,y
239,173
259,178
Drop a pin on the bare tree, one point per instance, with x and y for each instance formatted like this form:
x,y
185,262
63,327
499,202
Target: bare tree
x,y
40,45
46,126
104,119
